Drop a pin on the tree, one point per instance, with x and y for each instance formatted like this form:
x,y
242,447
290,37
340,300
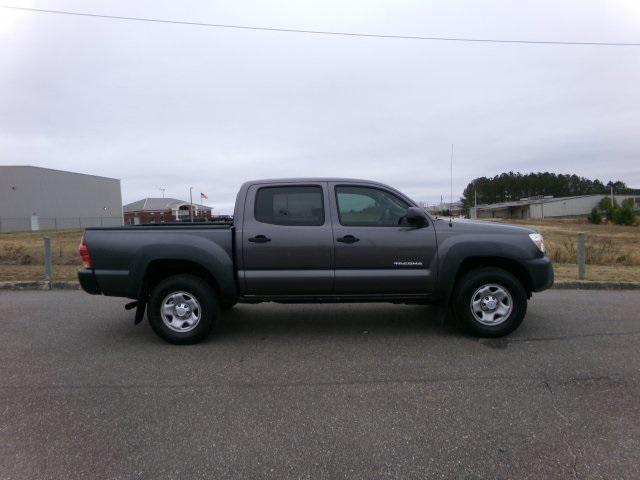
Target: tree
x,y
594,217
608,207
624,215
510,186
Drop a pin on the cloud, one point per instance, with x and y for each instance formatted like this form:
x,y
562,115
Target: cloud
x,y
174,106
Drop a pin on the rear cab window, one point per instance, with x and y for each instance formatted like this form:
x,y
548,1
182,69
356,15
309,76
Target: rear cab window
x,y
290,205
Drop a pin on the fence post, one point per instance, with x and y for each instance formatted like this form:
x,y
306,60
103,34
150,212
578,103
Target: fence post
x,y
581,256
48,273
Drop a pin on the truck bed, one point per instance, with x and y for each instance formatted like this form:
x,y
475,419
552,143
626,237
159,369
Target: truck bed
x,y
122,255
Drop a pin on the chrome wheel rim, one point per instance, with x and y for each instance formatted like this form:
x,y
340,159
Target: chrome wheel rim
x,y
180,311
491,304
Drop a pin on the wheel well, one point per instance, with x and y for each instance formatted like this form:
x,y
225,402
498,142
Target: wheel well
x,y
511,266
158,270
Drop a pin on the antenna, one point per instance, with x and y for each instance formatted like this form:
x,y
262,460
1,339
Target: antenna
x,y
451,178
451,188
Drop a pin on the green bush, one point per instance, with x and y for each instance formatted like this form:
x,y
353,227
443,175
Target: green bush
x,y
624,215
594,217
628,202
608,207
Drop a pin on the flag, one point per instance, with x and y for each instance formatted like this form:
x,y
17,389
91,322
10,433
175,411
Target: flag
x,y
202,195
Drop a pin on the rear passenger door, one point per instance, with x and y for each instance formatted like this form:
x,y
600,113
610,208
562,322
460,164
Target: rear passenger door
x,y
287,241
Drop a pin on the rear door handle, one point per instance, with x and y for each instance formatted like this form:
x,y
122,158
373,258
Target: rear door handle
x,y
348,239
259,239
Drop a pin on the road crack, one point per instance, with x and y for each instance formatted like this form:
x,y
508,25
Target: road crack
x,y
574,458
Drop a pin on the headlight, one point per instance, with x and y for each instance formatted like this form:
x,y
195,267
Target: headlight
x,y
539,241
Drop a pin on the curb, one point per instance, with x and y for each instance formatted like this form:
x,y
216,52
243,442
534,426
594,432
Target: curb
x,y
561,285
589,285
39,285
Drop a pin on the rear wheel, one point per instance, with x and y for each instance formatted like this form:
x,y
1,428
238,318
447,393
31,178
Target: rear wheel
x,y
489,302
183,309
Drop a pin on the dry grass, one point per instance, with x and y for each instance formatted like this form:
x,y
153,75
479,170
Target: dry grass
x,y
611,245
604,273
613,251
22,255
36,272
27,248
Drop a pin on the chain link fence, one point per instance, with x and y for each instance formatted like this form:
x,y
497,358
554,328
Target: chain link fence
x,y
35,223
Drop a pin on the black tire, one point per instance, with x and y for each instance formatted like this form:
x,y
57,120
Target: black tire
x,y
470,283
206,301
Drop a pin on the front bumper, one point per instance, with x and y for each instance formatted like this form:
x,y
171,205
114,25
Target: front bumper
x,y
540,272
88,282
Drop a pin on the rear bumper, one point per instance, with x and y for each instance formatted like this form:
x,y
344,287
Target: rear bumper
x,y
541,273
88,282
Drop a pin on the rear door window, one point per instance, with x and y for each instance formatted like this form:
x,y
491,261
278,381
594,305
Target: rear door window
x,y
290,206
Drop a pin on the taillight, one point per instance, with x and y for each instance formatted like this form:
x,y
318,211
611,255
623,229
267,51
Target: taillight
x,y
84,253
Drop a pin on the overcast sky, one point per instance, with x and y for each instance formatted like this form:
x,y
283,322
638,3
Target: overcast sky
x,y
174,106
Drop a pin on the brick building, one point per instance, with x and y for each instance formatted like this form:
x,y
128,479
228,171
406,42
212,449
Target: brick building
x,y
161,210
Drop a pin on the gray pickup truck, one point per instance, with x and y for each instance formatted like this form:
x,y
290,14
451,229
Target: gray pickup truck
x,y
317,240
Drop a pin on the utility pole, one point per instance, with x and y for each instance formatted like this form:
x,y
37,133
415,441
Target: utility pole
x,y
475,200
191,203
451,179
612,198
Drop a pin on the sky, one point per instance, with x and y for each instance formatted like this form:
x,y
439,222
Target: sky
x,y
175,106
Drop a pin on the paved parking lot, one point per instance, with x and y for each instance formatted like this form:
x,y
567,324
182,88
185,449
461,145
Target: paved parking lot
x,y
306,391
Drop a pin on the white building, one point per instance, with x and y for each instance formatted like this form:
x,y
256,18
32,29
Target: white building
x,y
546,207
35,198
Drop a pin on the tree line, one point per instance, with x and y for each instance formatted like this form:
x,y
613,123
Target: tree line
x,y
514,186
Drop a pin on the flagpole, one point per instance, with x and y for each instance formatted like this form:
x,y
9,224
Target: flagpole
x,y
191,202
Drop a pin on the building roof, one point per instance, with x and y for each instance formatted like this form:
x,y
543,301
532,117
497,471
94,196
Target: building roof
x,y
532,201
55,170
151,204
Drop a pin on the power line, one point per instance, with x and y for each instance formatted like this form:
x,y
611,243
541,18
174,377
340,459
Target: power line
x,y
325,32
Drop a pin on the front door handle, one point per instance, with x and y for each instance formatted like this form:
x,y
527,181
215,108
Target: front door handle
x,y
259,239
348,239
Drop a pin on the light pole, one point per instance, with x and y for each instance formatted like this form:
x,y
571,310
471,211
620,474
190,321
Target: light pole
x,y
162,190
191,203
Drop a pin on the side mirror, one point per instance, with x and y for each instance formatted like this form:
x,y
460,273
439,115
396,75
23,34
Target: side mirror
x,y
417,217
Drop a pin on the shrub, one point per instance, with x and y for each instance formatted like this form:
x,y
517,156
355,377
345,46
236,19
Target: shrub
x,y
624,215
608,207
594,217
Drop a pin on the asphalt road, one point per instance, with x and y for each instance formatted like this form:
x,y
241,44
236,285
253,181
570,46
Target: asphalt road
x,y
333,391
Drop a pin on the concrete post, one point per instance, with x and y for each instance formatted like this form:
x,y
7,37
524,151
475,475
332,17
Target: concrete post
x,y
48,271
581,256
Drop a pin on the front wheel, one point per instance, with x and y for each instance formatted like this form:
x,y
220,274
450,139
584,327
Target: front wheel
x,y
489,302
182,309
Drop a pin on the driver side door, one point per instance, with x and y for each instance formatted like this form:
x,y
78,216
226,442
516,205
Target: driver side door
x,y
375,251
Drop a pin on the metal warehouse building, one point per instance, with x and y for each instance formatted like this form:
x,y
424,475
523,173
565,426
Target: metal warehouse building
x,y
545,207
35,198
